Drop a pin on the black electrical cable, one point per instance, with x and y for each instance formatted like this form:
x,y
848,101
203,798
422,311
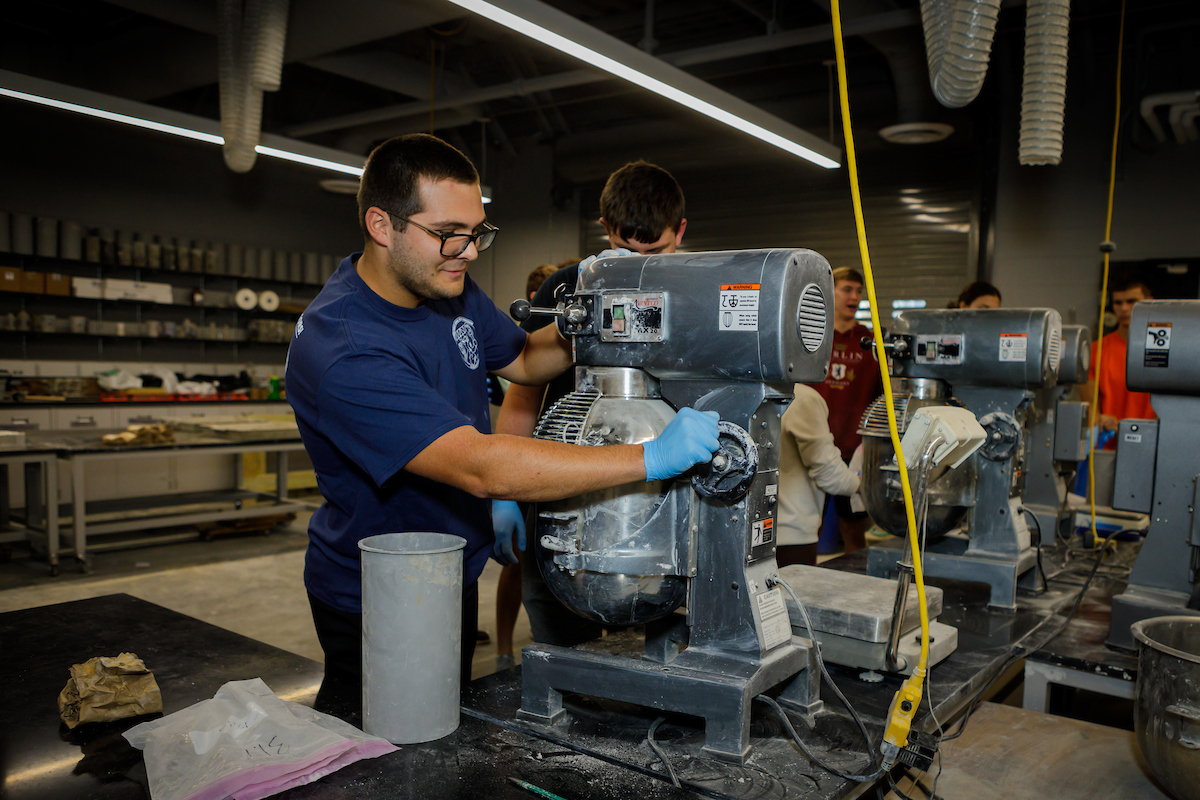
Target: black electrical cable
x,y
896,788
658,751
775,580
1041,571
1020,652
787,724
916,779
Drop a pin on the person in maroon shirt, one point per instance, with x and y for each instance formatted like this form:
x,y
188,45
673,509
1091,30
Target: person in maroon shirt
x,y
852,383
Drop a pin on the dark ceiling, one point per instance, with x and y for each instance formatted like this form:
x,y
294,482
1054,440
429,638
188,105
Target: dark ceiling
x,y
358,71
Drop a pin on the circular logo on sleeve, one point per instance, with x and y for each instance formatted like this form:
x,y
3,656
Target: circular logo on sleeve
x,y
463,331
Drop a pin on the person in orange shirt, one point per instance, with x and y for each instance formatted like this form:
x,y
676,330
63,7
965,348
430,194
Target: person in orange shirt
x,y
1116,401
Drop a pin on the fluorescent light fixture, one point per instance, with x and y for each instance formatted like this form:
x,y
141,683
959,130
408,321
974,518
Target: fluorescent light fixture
x,y
675,85
149,124
486,191
908,304
299,158
163,120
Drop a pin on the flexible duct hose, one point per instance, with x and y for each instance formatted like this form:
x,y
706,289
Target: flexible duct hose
x,y
1044,90
268,48
958,43
250,43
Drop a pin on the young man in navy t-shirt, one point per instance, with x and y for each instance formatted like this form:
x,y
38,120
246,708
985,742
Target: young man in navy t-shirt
x,y
386,373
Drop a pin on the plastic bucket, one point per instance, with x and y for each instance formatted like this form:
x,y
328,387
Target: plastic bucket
x,y
1167,703
411,637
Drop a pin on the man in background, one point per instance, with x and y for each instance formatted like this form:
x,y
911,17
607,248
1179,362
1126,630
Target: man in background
x,y
641,209
1116,402
852,384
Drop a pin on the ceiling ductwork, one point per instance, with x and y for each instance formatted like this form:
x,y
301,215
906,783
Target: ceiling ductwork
x,y
1184,108
1044,87
250,44
958,45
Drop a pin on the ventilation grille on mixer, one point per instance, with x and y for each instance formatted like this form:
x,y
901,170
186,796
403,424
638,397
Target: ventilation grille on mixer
x,y
874,419
810,320
563,422
1056,352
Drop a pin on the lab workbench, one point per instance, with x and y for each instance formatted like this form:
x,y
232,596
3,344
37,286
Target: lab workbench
x,y
598,750
52,451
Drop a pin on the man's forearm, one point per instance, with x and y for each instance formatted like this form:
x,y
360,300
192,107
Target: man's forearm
x,y
546,356
519,413
519,468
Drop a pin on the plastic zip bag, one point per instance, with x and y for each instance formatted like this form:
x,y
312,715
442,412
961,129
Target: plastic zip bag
x,y
246,743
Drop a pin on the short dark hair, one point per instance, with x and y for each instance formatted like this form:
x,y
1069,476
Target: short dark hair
x,y
391,179
848,274
1130,281
640,201
539,276
974,291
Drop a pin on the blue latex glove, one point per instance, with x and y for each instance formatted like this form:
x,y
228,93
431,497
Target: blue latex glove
x,y
690,439
507,518
613,253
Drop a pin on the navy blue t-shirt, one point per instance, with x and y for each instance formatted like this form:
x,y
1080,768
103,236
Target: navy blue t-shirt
x,y
373,384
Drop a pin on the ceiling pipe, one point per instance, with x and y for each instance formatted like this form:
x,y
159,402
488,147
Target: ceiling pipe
x,y
1183,121
1152,101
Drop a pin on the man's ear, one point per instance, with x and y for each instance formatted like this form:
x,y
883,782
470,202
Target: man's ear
x,y
379,226
679,232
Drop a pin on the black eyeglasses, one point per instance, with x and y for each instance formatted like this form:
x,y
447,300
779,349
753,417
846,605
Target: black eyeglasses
x,y
455,244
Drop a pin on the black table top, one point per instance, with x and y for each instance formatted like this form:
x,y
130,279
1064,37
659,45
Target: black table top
x,y
598,751
40,759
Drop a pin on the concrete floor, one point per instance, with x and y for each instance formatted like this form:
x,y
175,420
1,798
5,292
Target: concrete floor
x,y
249,584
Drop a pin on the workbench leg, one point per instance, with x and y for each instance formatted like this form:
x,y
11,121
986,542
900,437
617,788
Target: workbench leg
x,y
79,510
51,476
5,503
1037,688
35,511
281,475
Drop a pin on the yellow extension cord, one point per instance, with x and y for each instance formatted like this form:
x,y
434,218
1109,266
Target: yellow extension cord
x,y
1094,406
908,697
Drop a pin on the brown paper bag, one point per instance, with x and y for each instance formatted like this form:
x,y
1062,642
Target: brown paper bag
x,y
103,688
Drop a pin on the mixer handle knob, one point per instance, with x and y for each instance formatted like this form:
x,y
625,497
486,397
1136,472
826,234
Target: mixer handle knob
x,y
521,310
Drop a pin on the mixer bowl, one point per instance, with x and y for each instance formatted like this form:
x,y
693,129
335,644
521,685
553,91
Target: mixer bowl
x,y
1167,704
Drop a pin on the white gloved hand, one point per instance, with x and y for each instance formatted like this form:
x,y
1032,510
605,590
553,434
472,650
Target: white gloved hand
x,y
613,253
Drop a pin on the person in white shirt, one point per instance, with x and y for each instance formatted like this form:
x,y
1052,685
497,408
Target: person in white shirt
x,y
810,466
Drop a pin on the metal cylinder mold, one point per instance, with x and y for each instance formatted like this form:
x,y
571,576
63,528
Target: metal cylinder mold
x,y
949,491
1166,711
411,635
616,556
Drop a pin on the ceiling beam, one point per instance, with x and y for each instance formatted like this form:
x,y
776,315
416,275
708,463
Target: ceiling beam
x,y
562,80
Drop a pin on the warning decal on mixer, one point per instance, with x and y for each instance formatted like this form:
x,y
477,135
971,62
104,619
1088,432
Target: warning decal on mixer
x,y
1013,346
1158,345
762,532
739,307
773,618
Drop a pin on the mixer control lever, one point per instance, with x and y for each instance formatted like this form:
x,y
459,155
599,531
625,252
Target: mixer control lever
x,y
895,344
574,314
